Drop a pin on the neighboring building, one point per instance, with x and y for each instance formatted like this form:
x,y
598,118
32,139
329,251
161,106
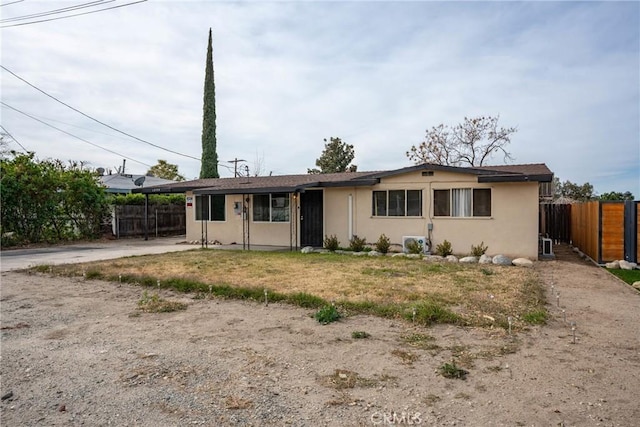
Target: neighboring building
x,y
495,205
125,183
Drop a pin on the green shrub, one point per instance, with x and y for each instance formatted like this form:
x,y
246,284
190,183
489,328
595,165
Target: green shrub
x,y
327,314
414,247
479,250
331,242
444,248
383,244
357,244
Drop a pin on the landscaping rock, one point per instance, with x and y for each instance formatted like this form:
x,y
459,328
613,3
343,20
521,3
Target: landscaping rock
x,y
451,258
307,250
469,260
501,260
433,258
358,253
636,285
613,265
375,253
414,256
522,262
626,265
485,259
399,255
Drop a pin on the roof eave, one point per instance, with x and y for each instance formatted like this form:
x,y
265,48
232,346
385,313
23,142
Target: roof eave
x,y
515,178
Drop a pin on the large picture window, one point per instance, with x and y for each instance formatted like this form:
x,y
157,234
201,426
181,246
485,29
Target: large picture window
x,y
211,207
271,207
397,203
462,202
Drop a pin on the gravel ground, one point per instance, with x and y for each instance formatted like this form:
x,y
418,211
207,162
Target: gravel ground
x,y
81,353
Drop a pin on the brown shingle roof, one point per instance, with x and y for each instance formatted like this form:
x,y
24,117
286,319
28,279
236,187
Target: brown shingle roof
x,y
291,183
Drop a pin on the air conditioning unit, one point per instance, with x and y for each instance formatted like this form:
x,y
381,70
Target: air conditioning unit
x,y
547,247
421,240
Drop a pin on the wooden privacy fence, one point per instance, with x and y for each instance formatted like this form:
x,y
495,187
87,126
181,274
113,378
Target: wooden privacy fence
x,y
129,220
606,231
555,222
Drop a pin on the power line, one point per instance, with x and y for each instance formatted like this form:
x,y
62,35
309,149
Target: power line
x,y
7,4
72,135
56,11
13,138
94,119
71,16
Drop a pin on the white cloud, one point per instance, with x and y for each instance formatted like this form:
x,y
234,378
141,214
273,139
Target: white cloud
x,y
375,74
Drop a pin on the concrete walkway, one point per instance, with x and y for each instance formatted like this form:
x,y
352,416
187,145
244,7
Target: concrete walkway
x,y
89,251
17,259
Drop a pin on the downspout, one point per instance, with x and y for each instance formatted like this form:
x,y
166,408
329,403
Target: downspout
x,y
350,216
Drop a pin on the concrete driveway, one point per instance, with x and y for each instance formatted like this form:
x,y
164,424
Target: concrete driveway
x,y
90,251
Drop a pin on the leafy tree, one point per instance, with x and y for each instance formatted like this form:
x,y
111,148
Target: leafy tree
x,y
165,170
570,190
48,201
209,165
335,158
472,142
616,195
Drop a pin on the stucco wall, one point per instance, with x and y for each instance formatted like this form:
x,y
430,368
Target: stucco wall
x,y
512,228
230,230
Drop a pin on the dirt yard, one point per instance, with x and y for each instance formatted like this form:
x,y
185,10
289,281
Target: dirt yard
x,y
76,352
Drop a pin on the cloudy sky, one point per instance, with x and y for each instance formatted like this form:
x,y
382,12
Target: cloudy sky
x,y
289,74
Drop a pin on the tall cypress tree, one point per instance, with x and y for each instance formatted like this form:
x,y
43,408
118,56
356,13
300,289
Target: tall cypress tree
x,y
209,165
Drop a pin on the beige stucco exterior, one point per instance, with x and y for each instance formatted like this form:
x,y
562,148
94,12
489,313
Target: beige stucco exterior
x,y
512,228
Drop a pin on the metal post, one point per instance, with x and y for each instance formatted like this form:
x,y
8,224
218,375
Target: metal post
x,y
146,214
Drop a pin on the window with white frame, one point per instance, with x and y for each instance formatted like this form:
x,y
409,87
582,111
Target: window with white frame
x,y
462,202
272,207
210,207
397,203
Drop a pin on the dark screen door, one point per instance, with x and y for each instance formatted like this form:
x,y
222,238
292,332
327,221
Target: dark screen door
x,y
311,218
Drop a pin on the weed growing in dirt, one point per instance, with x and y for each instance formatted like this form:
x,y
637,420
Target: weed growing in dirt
x,y
327,314
154,304
450,370
537,317
423,341
360,335
405,356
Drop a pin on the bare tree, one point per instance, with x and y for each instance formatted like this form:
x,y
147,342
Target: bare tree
x,y
472,142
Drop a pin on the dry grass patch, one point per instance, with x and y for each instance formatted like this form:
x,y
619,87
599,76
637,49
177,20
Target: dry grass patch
x,y
234,402
471,290
343,379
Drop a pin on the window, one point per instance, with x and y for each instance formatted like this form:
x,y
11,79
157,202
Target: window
x,y
462,202
482,202
210,208
271,207
397,203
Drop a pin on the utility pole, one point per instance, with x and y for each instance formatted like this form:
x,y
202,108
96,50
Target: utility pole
x,y
235,165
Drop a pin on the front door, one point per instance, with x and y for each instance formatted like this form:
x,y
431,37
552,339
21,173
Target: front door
x,y
311,218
